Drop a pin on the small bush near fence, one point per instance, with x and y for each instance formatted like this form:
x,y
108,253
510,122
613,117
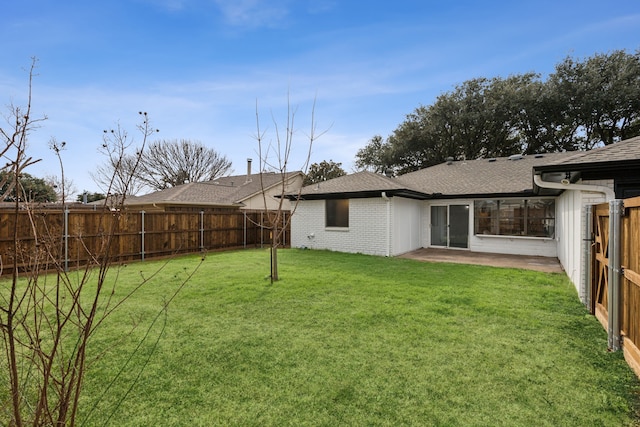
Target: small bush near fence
x,y
74,237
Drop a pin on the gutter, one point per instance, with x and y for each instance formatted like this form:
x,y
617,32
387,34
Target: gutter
x,y
566,185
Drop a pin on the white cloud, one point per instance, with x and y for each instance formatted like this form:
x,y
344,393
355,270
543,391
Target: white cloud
x,y
254,13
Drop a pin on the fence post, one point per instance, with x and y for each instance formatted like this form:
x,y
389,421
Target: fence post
x,y
244,237
66,240
202,230
613,330
142,235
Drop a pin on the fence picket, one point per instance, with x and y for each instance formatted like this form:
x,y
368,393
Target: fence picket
x,y
137,235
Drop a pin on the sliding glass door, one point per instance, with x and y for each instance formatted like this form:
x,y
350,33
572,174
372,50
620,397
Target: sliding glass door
x,y
450,226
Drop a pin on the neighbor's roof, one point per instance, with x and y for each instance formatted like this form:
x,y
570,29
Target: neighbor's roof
x,y
226,191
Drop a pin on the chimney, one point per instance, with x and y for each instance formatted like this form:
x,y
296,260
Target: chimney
x,y
248,170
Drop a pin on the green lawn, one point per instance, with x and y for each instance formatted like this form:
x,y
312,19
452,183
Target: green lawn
x,y
356,340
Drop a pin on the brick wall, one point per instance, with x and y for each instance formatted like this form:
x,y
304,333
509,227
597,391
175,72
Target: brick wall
x,y
366,232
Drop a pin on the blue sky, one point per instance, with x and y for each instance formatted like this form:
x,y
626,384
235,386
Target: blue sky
x,y
198,67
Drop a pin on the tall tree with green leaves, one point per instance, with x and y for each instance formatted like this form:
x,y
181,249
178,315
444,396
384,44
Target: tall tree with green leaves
x,y
323,171
375,156
602,94
29,189
583,104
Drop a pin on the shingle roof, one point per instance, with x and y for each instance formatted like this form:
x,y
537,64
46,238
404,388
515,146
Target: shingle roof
x,y
502,175
457,178
226,191
359,182
499,176
627,150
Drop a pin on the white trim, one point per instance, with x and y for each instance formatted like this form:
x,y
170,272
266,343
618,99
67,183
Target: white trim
x,y
509,236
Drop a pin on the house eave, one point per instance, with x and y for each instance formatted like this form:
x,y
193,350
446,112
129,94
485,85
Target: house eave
x,y
409,194
423,196
518,194
191,204
606,167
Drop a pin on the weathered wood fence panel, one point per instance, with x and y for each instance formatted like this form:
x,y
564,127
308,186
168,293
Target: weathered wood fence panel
x,y
629,302
74,238
600,263
630,283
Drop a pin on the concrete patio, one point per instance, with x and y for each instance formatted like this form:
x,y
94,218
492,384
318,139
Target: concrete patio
x,y
538,263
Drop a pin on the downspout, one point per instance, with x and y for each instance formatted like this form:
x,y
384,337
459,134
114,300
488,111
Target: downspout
x,y
388,233
587,254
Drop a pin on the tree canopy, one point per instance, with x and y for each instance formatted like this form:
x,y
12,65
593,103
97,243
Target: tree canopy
x,y
323,171
91,197
581,105
30,189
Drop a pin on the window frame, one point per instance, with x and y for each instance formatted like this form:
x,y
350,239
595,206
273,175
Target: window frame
x,y
529,218
336,213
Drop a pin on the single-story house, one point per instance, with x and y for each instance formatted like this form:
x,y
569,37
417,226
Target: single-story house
x,y
229,192
522,204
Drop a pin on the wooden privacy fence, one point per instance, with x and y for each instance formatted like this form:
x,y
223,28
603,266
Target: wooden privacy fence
x,y
615,275
75,238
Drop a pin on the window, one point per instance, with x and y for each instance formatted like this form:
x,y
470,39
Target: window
x,y
337,213
535,217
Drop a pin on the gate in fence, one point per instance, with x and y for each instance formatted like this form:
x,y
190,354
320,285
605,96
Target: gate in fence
x,y
615,274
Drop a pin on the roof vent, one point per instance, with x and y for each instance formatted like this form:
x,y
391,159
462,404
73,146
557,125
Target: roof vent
x,y
449,160
491,160
516,157
538,156
388,173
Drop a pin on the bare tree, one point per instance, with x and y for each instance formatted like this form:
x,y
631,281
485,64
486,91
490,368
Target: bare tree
x,y
163,164
117,175
64,188
168,163
276,156
47,322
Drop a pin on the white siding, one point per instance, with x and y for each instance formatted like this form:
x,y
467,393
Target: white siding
x,y
570,228
406,225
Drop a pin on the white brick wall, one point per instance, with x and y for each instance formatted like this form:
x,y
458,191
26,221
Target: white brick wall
x,y
367,231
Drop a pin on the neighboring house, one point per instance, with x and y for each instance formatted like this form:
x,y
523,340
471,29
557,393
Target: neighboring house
x,y
529,205
230,192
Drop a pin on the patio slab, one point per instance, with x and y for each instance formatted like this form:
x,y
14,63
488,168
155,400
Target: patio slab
x,y
538,263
